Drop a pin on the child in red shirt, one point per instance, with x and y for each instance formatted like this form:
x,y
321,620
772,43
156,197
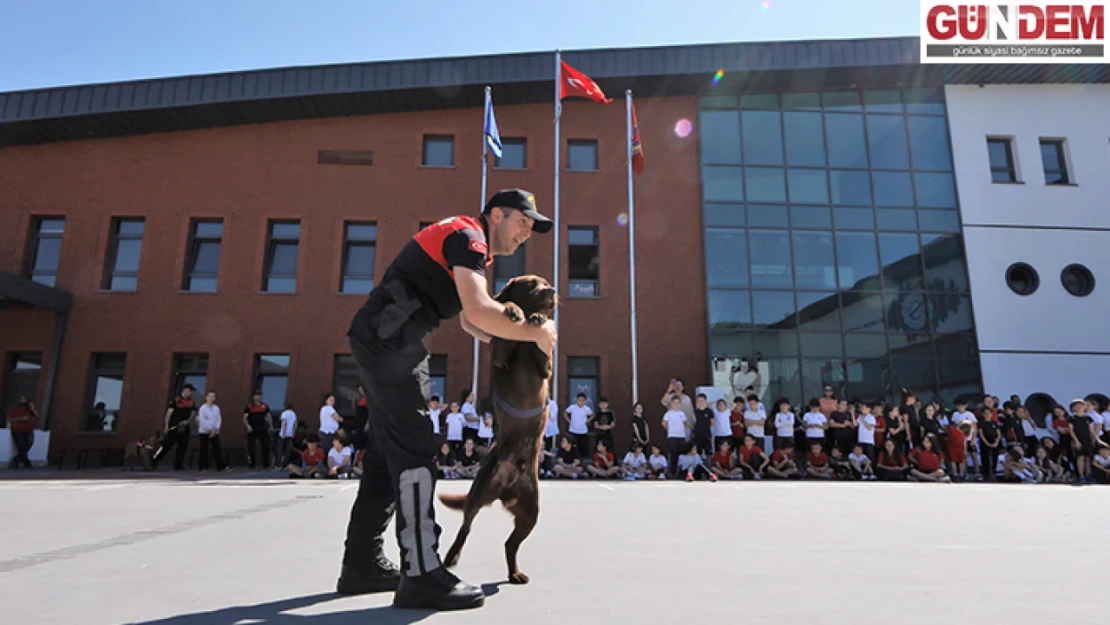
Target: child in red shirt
x,y
782,463
817,463
312,460
605,463
928,461
724,463
957,449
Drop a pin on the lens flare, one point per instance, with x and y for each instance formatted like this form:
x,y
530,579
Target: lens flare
x,y
622,219
718,76
764,6
683,128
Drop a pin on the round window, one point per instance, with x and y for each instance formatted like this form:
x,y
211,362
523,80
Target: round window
x,y
1078,280
1022,279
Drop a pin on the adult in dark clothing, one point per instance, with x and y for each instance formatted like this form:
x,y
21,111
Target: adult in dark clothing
x,y
256,420
438,275
21,420
179,417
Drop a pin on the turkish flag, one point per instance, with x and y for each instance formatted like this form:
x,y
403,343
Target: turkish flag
x,y
575,83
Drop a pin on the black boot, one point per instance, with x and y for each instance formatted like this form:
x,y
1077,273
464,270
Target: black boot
x,y
437,590
382,577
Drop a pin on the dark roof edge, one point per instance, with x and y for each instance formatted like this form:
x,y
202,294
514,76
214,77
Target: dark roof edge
x,y
899,39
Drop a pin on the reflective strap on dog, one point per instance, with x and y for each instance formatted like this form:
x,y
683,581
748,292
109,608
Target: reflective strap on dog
x,y
515,412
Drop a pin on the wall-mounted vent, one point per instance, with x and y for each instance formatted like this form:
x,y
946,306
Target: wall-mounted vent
x,y
345,157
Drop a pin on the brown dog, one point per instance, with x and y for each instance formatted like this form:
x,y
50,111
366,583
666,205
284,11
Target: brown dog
x,y
510,472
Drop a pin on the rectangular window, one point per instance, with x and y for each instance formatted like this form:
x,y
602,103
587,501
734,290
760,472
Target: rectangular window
x,y
106,392
583,376
271,378
437,377
121,271
506,268
1001,153
582,155
583,262
281,257
345,383
1055,165
514,154
359,246
203,263
190,369
21,378
439,151
46,248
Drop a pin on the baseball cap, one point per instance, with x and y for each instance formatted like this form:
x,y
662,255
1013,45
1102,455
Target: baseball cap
x,y
523,201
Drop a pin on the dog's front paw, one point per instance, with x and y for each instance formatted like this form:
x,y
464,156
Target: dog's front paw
x,y
514,313
536,319
518,578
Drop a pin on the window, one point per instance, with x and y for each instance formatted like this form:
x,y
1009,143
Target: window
x,y
122,269
439,151
203,265
437,376
1022,279
281,257
345,384
720,137
106,387
359,246
582,155
1078,280
506,268
22,378
1001,152
514,154
190,369
1055,167
583,262
271,378
583,376
46,249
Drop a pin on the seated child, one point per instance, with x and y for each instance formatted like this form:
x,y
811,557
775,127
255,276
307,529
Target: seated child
x,y
691,464
469,462
839,464
1053,472
567,462
817,462
1100,465
313,458
657,464
782,464
635,464
724,462
445,462
861,464
605,463
340,464
927,461
752,459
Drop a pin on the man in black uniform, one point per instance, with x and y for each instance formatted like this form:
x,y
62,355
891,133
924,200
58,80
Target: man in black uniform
x,y
179,417
438,275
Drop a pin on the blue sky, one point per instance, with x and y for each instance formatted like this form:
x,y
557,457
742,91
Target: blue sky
x,y
54,42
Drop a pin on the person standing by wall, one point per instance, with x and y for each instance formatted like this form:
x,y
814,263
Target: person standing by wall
x,y
256,420
209,422
179,418
22,418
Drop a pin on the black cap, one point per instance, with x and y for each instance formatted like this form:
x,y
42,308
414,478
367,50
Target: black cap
x,y
523,201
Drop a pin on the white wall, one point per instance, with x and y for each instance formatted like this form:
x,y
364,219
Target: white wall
x,y
1048,227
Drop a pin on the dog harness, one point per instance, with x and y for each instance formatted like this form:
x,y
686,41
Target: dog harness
x,y
516,412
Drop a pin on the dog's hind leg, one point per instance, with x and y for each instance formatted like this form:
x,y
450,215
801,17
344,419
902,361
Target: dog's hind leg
x,y
482,494
525,511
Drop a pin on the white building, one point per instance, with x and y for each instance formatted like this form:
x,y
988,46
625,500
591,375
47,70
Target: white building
x,y
1035,206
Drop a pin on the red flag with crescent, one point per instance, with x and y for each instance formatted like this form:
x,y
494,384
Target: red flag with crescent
x,y
575,83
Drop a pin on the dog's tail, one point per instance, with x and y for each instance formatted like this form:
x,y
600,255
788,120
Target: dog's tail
x,y
454,502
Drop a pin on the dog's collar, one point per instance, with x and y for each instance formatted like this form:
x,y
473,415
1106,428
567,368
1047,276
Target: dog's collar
x,y
516,412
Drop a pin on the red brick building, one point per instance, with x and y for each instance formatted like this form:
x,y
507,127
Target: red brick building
x,y
249,176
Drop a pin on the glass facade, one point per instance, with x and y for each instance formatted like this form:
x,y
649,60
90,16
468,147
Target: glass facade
x,y
833,246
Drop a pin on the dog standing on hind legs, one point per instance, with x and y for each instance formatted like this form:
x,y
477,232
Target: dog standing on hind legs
x,y
520,381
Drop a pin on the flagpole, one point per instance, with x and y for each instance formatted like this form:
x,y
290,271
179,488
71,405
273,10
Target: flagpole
x,y
631,249
482,205
555,272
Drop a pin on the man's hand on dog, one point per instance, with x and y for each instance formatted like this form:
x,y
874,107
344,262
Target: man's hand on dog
x,y
549,335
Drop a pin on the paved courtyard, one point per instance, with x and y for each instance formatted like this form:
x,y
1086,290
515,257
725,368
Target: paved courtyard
x,y
110,548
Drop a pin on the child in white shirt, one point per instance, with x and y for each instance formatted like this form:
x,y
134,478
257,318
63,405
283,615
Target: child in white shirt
x,y
755,417
657,464
816,423
288,429
674,421
861,464
455,423
634,465
784,424
339,460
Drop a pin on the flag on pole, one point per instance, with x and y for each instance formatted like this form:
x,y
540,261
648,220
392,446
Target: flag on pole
x,y
575,83
493,138
637,148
